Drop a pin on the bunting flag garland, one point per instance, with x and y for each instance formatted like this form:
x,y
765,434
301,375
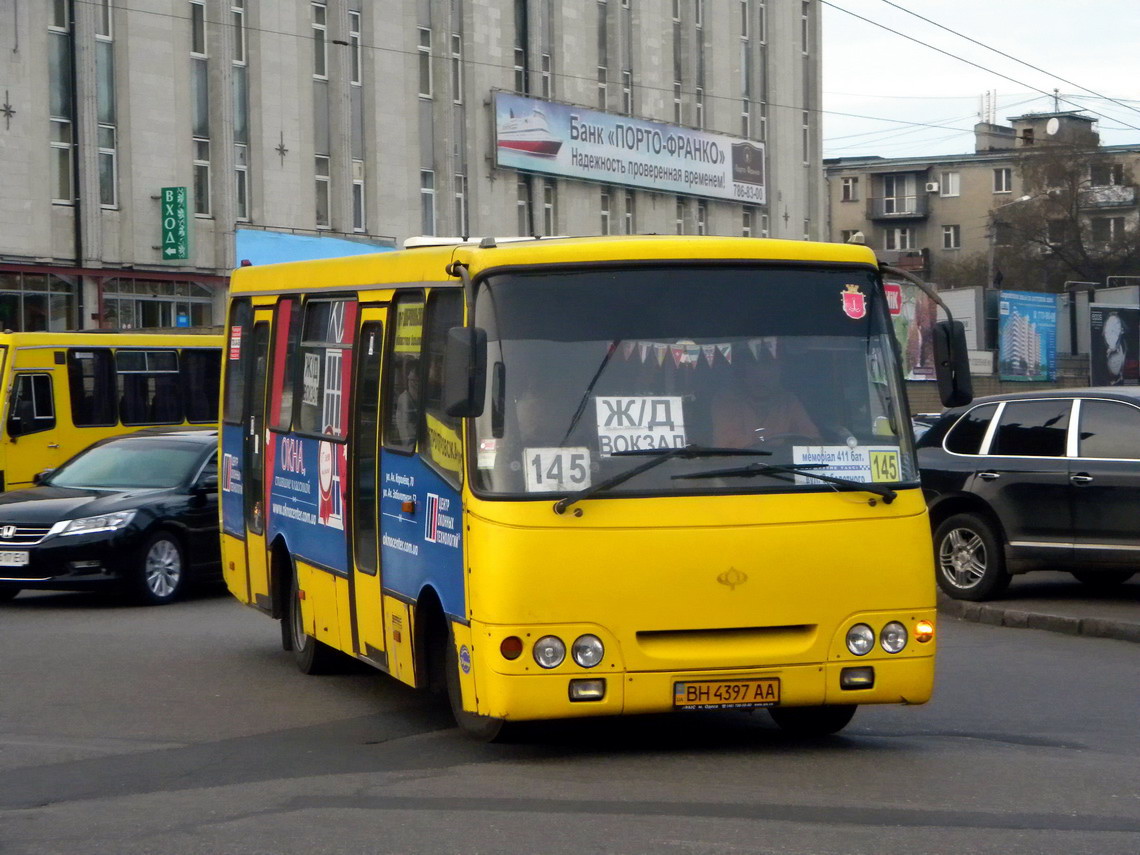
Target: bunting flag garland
x,y
660,350
709,350
627,349
643,349
688,352
726,351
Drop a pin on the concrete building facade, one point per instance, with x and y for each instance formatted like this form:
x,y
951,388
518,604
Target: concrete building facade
x,y
137,138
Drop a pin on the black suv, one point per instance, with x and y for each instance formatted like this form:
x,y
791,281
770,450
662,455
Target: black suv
x,y
1033,481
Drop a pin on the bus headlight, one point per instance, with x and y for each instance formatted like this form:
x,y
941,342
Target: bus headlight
x,y
549,651
588,650
893,637
860,639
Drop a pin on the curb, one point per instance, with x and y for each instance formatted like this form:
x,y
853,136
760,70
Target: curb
x,y
997,615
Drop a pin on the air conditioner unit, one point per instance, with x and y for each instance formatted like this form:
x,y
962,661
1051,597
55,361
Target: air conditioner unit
x,y
931,186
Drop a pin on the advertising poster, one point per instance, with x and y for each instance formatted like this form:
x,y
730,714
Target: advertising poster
x,y
1114,346
589,145
913,316
1027,331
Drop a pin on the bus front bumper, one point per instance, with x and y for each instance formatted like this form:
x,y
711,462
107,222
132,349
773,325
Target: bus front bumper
x,y
906,680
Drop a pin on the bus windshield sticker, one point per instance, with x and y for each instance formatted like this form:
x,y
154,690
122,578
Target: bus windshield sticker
x,y
551,470
488,451
863,463
639,423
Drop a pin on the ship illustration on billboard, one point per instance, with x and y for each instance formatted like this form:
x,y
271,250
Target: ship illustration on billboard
x,y
528,134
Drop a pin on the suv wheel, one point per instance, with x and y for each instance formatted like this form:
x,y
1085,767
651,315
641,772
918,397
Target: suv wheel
x,y
970,564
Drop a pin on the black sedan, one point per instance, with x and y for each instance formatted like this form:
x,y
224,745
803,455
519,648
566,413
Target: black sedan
x,y
139,512
1048,479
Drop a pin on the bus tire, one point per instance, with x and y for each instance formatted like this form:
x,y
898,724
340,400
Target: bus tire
x,y
812,721
159,574
481,728
8,592
312,656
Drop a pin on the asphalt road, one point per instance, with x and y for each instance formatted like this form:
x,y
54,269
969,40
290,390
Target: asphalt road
x,y
185,729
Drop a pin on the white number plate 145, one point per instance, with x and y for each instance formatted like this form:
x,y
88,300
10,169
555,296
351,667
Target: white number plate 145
x,y
556,469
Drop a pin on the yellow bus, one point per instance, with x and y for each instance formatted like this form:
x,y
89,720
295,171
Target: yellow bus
x,y
62,391
586,476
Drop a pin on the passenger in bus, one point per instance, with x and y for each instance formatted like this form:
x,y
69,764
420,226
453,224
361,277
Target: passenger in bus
x,y
756,408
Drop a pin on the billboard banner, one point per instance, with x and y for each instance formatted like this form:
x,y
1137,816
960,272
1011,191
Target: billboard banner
x,y
1027,330
912,316
590,145
1114,345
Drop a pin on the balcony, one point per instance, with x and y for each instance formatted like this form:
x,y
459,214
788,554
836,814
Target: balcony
x,y
1109,196
915,207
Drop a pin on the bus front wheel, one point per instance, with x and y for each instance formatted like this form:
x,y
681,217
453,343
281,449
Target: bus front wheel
x,y
479,727
812,721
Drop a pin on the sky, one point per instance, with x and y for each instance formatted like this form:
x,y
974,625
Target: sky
x,y
1080,48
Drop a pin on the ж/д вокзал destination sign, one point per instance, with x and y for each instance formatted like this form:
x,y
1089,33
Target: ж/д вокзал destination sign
x,y
175,224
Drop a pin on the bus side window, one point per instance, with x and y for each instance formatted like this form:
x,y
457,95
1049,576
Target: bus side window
x,y
402,404
91,384
148,382
283,363
241,326
443,447
33,407
201,373
326,362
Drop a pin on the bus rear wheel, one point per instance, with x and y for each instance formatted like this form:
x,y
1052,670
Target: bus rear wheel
x,y
312,656
812,721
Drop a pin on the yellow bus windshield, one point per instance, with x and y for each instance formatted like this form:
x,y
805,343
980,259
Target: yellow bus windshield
x,y
791,368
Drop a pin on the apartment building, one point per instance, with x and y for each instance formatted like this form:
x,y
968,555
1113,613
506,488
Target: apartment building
x,y
138,139
928,214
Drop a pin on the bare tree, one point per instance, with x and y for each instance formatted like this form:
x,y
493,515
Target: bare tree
x,y
962,272
1073,223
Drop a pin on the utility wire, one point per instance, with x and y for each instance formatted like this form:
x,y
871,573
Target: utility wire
x,y
971,62
1008,56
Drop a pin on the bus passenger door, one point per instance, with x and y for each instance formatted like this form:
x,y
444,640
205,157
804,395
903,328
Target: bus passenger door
x,y
31,428
253,453
367,612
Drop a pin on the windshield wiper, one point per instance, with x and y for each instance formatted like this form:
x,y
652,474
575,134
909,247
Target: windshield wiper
x,y
782,472
659,457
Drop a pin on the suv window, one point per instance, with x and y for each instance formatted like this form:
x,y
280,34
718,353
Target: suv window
x,y
1033,429
966,436
1109,430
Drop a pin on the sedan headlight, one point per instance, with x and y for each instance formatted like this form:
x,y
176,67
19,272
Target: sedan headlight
x,y
91,525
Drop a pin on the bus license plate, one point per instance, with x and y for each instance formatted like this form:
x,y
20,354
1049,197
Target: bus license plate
x,y
13,559
726,694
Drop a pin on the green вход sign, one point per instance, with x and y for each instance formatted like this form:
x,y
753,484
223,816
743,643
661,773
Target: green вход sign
x,y
175,224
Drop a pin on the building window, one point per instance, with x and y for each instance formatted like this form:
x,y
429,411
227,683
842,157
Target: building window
x,y
746,118
549,197
699,105
1107,230
522,206
456,68
424,55
764,231
60,104
134,303
676,10
202,177
630,213
762,35
520,70
61,161
679,215
1003,180
354,60
547,77
602,86
241,182
899,238
806,130
1107,174
949,184
237,21
323,191
676,102
850,191
746,222
744,24
805,26
627,92
807,230
461,215
320,44
763,133
699,13
427,202
951,237
604,208
702,218
198,27
33,302
359,215
1003,234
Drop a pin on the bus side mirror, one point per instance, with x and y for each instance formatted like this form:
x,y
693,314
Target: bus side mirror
x,y
465,372
952,364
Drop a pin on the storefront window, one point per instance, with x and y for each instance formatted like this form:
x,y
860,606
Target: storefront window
x,y
143,303
34,302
